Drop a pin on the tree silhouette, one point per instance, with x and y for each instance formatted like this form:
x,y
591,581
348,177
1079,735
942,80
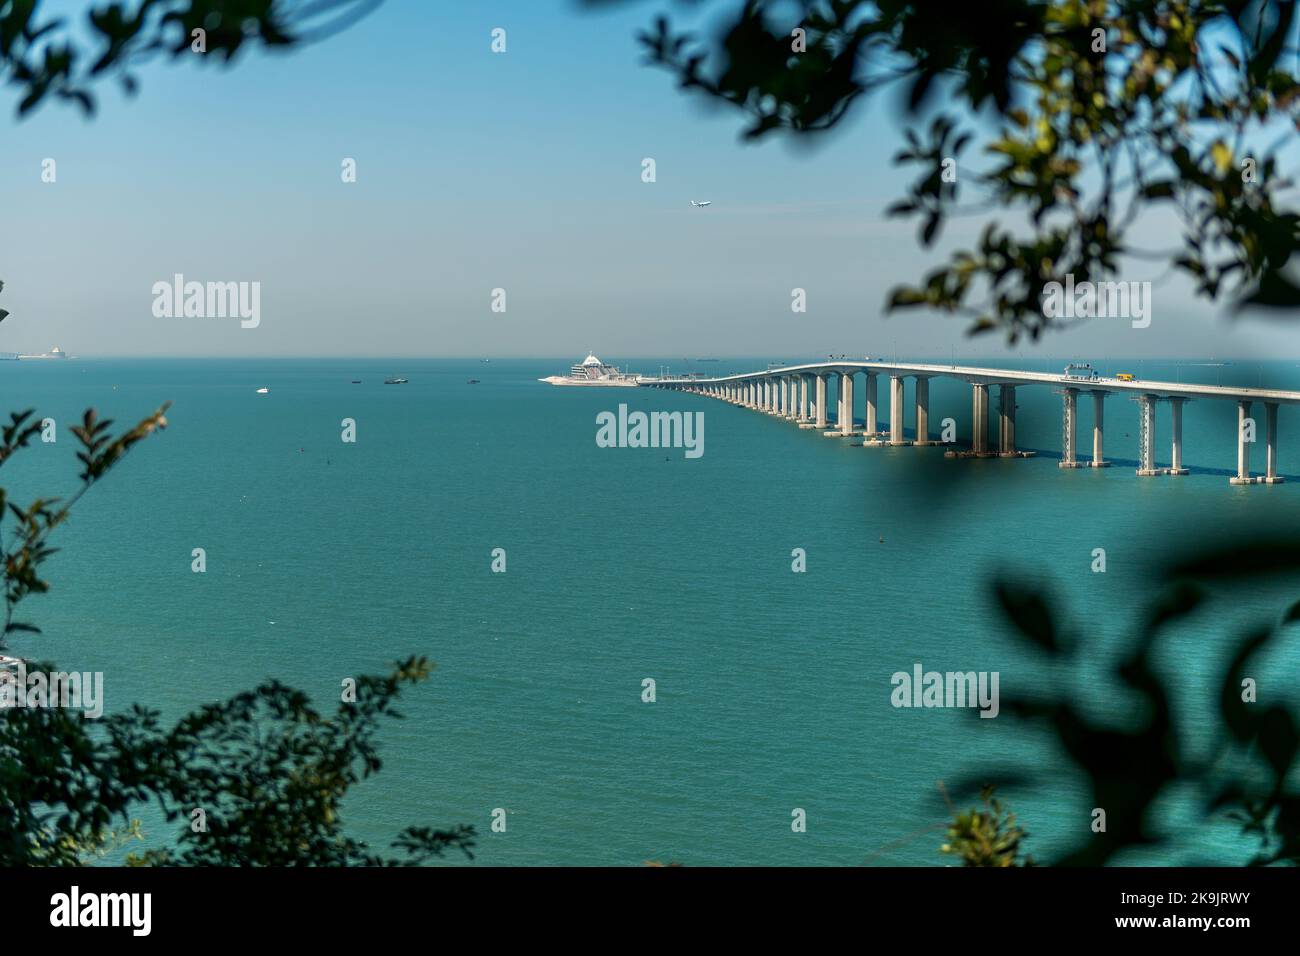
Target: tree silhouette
x,y
1103,112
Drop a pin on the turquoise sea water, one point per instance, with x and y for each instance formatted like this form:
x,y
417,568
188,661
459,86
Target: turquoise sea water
x,y
327,560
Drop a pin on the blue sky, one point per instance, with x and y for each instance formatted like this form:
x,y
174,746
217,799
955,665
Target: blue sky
x,y
476,171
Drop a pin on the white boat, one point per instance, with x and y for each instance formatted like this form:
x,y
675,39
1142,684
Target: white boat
x,y
263,390
593,372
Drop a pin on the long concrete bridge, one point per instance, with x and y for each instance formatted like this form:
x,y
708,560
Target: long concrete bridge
x,y
799,393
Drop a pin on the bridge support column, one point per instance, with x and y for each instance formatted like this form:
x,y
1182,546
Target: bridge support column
x,y
1007,421
979,426
1098,429
1244,425
783,396
897,400
922,410
1069,428
821,400
872,426
803,398
846,416
792,412
1271,476
1147,436
1176,408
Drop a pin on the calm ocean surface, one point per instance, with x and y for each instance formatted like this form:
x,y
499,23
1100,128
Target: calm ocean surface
x,y
327,560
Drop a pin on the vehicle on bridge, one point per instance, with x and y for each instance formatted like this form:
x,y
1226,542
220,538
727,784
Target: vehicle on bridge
x,y
1125,376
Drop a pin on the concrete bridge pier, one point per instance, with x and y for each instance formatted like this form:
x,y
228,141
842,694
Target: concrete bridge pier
x,y
1243,446
979,424
1098,428
872,424
923,412
979,438
839,407
1147,436
1176,462
1007,423
1271,477
897,404
873,437
1069,429
820,401
807,401
846,406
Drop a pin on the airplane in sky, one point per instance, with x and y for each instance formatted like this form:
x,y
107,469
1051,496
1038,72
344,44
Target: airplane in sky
x,y
706,202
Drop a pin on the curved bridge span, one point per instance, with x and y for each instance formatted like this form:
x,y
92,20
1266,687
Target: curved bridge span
x,y
799,393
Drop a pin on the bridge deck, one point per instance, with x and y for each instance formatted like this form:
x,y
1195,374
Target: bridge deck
x,y
997,376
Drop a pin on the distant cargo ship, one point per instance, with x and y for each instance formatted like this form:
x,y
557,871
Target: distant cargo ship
x,y
592,371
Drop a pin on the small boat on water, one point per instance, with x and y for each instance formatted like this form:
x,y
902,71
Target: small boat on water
x,y
263,390
472,381
356,381
394,381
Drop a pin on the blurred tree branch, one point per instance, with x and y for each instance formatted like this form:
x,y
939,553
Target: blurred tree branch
x,y
1104,111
